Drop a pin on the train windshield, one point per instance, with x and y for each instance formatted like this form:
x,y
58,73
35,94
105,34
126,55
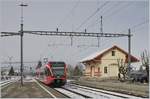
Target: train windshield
x,y
58,68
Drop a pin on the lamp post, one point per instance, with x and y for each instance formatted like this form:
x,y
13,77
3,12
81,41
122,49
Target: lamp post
x,y
21,41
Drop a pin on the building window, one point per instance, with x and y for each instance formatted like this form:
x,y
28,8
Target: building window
x,y
113,53
105,69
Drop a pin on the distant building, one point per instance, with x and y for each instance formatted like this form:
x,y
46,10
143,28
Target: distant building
x,y
104,63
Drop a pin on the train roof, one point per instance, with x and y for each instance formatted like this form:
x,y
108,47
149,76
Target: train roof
x,y
56,62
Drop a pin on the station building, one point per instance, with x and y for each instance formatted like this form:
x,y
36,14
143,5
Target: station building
x,y
104,63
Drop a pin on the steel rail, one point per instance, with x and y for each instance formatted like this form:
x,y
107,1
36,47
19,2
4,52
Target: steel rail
x,y
109,92
85,96
49,90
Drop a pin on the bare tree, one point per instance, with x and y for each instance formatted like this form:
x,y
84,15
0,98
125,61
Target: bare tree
x,y
39,65
122,68
145,61
70,70
77,71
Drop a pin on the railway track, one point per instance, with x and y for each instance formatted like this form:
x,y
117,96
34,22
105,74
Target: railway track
x,y
72,94
82,92
6,83
51,91
3,82
61,92
97,93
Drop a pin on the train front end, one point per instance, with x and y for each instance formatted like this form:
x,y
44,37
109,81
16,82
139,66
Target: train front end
x,y
57,75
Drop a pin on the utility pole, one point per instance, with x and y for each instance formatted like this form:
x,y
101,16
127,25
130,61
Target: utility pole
x,y
129,52
71,37
101,30
21,42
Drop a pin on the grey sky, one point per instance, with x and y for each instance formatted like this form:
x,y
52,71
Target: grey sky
x,y
49,14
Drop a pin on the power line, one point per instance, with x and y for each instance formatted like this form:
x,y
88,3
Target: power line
x,y
88,18
96,21
9,34
17,62
58,44
74,7
139,29
137,25
112,13
77,34
118,10
86,47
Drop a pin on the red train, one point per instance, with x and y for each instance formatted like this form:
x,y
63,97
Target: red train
x,y
53,74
